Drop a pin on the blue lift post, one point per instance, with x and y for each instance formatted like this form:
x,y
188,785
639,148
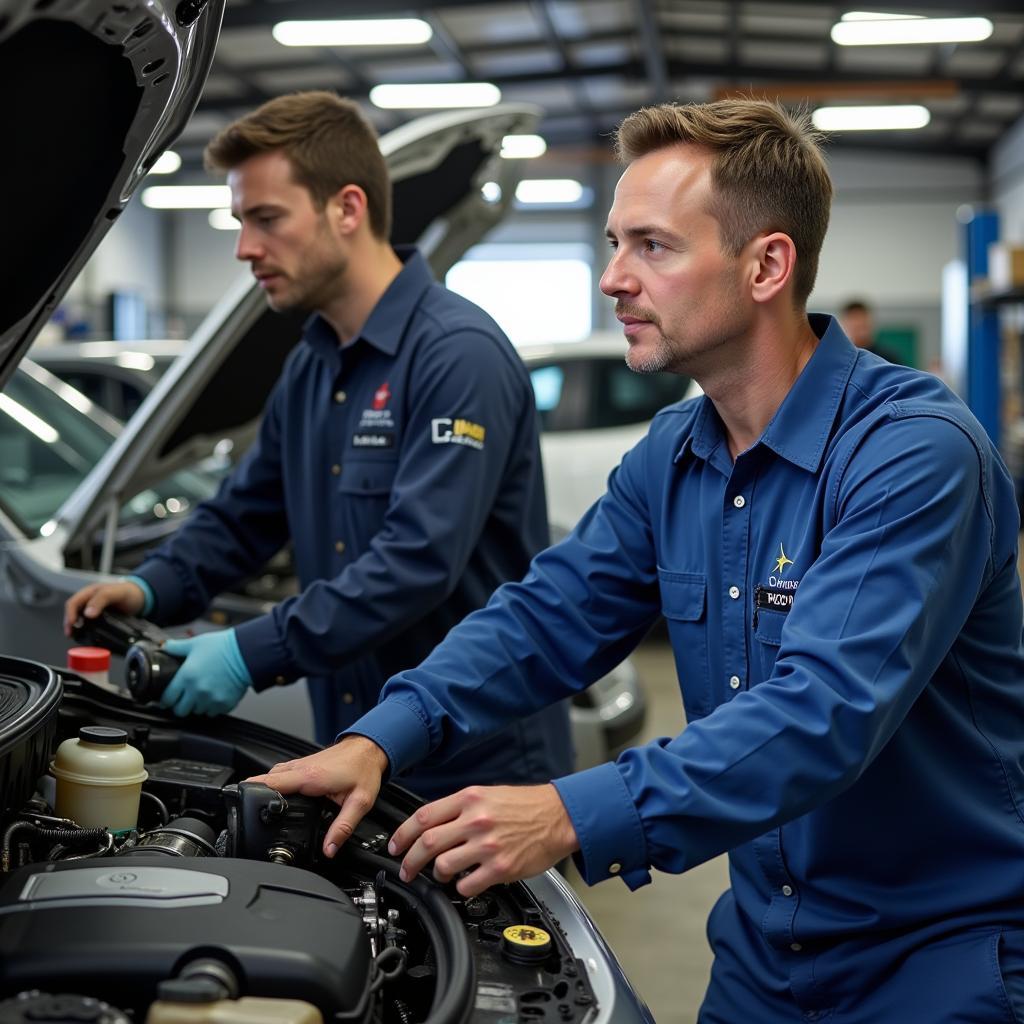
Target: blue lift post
x,y
983,390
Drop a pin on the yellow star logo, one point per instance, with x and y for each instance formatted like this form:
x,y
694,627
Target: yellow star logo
x,y
782,561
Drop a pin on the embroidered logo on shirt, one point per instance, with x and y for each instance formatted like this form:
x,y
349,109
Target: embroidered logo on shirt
x,y
782,561
381,396
454,430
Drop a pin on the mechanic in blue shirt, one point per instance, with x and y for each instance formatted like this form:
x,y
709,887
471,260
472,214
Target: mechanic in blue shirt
x,y
403,463
832,540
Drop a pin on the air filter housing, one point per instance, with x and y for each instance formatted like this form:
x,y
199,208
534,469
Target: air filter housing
x,y
29,696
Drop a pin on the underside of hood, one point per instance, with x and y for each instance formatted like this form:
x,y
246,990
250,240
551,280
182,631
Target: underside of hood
x,y
94,92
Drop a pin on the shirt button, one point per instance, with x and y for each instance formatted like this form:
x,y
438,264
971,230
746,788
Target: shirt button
x,y
340,396
335,470
739,501
734,682
795,946
614,868
339,546
787,890
734,592
347,698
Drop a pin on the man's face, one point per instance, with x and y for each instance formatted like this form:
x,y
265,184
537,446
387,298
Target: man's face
x,y
678,295
296,258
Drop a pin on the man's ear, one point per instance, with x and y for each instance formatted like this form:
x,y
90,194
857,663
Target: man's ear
x,y
775,259
347,209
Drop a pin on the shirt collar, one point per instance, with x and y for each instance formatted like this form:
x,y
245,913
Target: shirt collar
x,y
800,428
386,324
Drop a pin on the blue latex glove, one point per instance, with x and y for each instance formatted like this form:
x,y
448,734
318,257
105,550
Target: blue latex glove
x,y
213,678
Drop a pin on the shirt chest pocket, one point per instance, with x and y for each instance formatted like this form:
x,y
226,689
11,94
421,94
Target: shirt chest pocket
x,y
768,639
369,478
684,605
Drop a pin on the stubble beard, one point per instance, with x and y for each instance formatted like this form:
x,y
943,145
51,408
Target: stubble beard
x,y
317,279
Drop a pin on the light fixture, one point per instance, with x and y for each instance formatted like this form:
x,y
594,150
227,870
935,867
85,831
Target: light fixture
x,y
355,32
168,163
523,147
491,191
560,191
422,96
186,197
866,119
222,219
891,31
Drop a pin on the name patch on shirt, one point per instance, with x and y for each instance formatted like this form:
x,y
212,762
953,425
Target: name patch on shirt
x,y
373,440
776,599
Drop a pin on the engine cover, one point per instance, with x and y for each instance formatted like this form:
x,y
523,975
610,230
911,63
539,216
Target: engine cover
x,y
102,926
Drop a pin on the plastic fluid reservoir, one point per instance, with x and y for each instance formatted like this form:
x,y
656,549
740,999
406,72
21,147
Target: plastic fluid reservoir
x,y
92,663
99,778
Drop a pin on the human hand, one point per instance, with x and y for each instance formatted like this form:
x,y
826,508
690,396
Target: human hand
x,y
349,773
213,678
496,833
122,596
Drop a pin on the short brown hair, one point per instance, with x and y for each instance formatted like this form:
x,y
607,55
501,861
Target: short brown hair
x,y
327,139
768,173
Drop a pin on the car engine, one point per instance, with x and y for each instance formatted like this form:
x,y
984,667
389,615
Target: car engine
x,y
217,903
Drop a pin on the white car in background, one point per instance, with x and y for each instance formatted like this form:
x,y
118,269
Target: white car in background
x,y
593,409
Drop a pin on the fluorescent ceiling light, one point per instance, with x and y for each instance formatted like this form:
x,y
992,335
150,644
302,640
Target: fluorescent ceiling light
x,y
168,163
847,119
433,95
186,197
522,147
358,32
549,190
895,31
135,360
876,16
223,220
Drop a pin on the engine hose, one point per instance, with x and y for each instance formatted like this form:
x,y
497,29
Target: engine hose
x,y
384,976
453,994
60,835
109,845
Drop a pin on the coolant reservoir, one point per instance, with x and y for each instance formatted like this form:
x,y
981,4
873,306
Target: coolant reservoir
x,y
250,1010
99,778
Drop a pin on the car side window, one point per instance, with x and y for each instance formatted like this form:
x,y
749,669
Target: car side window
x,y
560,390
620,397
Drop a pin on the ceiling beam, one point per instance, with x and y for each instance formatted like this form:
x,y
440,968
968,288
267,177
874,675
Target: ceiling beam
x,y
654,56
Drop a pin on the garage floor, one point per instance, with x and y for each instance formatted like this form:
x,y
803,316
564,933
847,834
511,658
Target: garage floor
x,y
657,932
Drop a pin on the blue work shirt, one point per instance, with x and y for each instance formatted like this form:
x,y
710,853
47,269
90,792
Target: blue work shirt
x,y
405,469
845,611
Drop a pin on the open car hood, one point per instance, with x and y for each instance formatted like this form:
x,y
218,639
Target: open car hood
x,y
96,90
214,393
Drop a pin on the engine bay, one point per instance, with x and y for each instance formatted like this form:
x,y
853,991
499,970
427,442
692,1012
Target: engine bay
x,y
217,904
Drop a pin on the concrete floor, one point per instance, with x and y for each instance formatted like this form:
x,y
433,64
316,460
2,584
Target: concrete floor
x,y
657,932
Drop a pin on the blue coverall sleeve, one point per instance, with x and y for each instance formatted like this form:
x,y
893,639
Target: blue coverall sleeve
x,y
582,607
909,550
440,500
226,538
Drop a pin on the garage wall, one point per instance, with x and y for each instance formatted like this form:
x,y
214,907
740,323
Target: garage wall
x,y
130,258
202,266
1008,183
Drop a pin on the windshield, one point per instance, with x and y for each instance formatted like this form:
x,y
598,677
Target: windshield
x,y
48,445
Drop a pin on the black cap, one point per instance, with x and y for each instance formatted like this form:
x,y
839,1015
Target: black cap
x,y
105,734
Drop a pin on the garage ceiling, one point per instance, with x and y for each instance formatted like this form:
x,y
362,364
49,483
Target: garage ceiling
x,y
588,63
